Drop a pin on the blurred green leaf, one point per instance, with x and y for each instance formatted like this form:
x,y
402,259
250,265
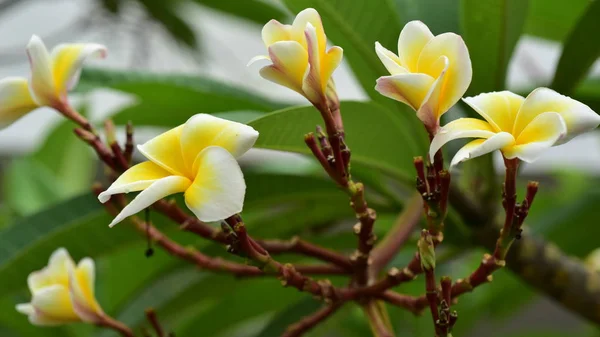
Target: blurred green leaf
x,y
440,16
553,19
377,137
289,316
29,186
257,11
73,165
169,100
165,12
491,30
215,322
579,51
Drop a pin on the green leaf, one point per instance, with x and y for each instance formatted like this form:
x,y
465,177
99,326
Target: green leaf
x,y
73,165
291,315
168,100
553,19
440,16
29,186
491,30
214,321
580,51
165,12
376,136
257,11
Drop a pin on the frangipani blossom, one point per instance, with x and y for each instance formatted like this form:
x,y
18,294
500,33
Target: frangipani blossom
x,y
62,292
299,55
52,76
520,127
429,74
197,158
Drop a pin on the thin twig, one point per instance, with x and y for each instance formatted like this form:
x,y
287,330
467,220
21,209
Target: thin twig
x,y
403,227
153,319
309,322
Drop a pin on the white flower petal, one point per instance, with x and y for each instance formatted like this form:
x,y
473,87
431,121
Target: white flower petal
x,y
302,20
498,108
413,38
15,100
41,83
275,31
460,128
67,61
544,131
136,178
390,61
158,190
430,110
204,130
219,188
408,88
53,302
578,117
458,71
55,272
479,147
290,64
81,289
163,150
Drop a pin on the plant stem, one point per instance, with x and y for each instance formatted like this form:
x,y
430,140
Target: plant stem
x,y
111,323
309,322
153,319
400,232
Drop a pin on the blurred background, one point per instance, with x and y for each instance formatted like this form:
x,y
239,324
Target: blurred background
x,y
170,59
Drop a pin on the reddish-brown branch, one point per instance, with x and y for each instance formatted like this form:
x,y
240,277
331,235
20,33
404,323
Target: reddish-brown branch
x,y
111,323
297,245
192,224
364,229
309,322
287,273
153,319
94,141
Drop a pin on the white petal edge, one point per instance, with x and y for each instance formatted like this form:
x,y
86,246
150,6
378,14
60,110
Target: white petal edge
x,y
529,152
136,178
579,118
390,61
480,147
15,100
67,69
41,82
457,129
158,190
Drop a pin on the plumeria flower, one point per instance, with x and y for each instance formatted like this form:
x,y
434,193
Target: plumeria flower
x,y
52,76
197,158
62,292
299,55
429,74
520,127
